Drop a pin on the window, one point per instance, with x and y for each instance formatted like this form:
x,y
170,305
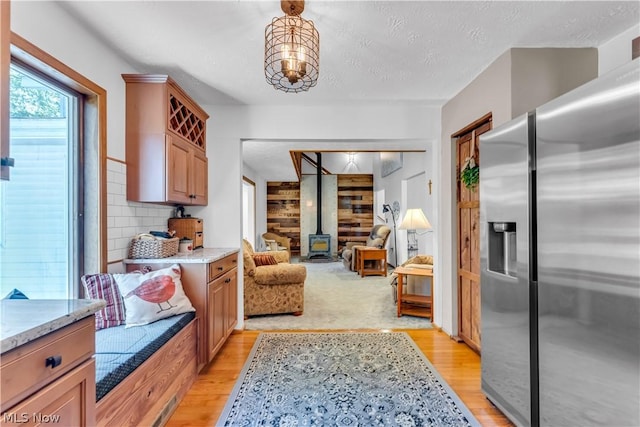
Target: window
x,y
249,210
41,223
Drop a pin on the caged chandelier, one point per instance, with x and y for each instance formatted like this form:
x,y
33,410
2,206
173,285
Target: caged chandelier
x,y
291,50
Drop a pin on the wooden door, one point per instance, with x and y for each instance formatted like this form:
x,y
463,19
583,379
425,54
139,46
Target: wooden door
x,y
178,162
217,294
468,212
199,178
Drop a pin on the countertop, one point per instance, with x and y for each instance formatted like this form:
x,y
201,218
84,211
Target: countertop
x,y
202,255
24,320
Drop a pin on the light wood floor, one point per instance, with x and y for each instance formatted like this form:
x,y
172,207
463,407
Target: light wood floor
x,y
455,362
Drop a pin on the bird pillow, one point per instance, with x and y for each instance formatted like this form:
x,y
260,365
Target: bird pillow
x,y
152,296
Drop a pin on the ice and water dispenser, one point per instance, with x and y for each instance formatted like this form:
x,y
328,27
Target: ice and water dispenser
x,y
502,257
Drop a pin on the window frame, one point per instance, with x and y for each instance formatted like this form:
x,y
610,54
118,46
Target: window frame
x,y
93,131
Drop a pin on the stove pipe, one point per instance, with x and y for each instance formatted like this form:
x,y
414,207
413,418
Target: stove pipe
x,y
319,193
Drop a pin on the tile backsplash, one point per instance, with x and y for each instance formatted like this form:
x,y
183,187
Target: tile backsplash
x,y
126,219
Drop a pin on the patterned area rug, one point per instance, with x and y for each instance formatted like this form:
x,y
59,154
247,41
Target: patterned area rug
x,y
341,379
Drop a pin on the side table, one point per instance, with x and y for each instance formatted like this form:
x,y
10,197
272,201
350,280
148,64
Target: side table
x,y
379,258
412,304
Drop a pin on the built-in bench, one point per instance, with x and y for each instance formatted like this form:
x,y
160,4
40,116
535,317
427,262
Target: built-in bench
x,y
142,373
144,370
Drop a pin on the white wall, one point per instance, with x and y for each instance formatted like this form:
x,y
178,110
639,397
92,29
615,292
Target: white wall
x,y
396,188
489,92
521,79
616,51
260,204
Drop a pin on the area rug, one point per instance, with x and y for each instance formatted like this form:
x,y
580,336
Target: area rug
x,y
341,379
337,298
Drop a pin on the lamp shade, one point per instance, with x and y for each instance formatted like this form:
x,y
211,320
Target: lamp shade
x,y
414,219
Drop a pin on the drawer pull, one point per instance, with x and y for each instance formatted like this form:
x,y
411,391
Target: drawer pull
x,y
228,280
53,361
220,268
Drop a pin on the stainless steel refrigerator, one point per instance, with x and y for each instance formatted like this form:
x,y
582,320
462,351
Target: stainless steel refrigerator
x,y
560,258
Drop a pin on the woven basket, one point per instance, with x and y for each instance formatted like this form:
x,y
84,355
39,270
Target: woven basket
x,y
149,246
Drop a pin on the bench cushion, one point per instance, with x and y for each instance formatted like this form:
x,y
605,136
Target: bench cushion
x,y
120,350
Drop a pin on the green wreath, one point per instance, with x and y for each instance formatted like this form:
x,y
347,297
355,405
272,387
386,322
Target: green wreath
x,y
470,174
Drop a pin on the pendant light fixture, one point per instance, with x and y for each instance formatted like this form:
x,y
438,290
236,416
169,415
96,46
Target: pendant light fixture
x,y
291,50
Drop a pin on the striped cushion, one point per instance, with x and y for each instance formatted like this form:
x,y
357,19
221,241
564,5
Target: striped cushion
x,y
103,286
264,259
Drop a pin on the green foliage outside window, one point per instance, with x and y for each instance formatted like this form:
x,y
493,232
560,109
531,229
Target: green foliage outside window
x,y
31,100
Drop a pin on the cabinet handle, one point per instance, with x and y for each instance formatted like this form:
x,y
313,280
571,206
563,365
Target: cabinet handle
x,y
220,268
53,361
228,280
8,161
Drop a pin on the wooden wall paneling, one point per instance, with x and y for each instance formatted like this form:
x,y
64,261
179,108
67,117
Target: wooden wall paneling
x,y
283,211
355,208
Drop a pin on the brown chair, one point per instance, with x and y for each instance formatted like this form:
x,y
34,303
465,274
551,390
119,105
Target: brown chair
x,y
377,239
272,289
283,243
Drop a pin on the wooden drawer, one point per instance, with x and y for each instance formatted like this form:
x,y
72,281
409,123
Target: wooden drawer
x,y
69,401
221,266
191,228
24,369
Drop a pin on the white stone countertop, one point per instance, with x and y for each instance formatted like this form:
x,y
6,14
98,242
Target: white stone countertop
x,y
24,320
202,255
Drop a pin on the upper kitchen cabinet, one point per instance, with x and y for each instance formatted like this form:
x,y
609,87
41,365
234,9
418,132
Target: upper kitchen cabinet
x,y
165,142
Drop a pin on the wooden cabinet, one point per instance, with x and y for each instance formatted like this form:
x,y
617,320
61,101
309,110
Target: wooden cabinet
x,y
187,173
51,379
212,288
190,228
165,142
222,297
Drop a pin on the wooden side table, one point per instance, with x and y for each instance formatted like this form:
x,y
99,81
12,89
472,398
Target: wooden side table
x,y
412,304
378,267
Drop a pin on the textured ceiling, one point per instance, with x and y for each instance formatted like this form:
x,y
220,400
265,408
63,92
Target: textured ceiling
x,y
370,51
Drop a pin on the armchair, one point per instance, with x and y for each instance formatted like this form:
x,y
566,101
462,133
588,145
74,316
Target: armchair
x,y
274,288
377,239
282,242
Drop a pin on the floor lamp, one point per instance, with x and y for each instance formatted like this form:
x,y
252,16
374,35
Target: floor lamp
x,y
387,208
413,220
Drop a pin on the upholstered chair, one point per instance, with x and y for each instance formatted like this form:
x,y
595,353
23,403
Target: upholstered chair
x,y
377,239
283,243
413,284
271,284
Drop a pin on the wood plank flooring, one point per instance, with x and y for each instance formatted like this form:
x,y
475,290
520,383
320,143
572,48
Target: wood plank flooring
x,y
455,362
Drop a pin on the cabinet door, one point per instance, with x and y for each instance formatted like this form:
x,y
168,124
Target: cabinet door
x,y
178,163
68,401
232,301
216,326
199,178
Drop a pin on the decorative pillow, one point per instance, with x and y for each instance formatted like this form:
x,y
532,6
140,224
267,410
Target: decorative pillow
x,y
264,259
103,286
152,296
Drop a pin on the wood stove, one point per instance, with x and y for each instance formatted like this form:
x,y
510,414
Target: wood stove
x,y
319,243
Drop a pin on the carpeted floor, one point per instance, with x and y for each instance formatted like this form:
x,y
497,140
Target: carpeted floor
x,y
341,379
336,298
